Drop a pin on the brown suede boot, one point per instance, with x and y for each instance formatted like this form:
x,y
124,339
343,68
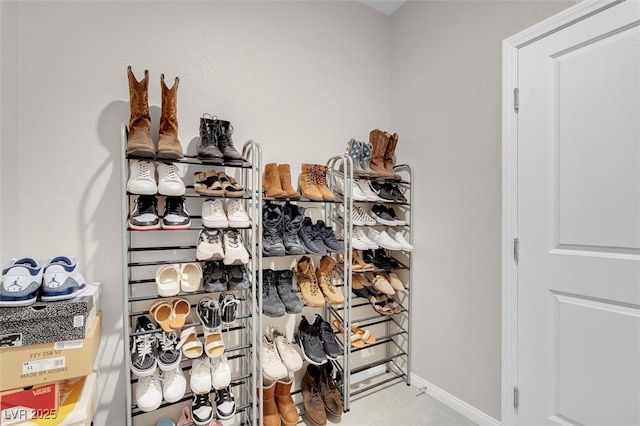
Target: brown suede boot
x,y
169,147
308,283
271,182
321,183
284,170
324,274
329,391
379,141
139,142
388,156
284,401
312,396
270,416
307,183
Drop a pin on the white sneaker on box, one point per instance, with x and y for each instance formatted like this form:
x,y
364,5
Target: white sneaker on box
x,y
169,182
21,281
149,392
142,178
213,215
237,215
200,381
174,385
209,245
220,373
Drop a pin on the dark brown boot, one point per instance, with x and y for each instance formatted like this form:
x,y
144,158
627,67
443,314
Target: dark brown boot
x,y
312,396
330,395
139,142
270,416
284,401
169,147
271,182
388,156
284,170
379,141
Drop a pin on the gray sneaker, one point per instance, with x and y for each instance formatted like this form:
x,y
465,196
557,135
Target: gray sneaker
x,y
292,222
271,304
311,238
272,244
284,284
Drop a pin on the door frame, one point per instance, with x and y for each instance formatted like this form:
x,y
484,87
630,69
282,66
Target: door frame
x,y
510,49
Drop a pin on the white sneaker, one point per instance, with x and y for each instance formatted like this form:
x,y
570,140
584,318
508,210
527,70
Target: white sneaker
x,y
365,187
289,356
174,385
168,280
149,392
359,215
200,381
384,240
213,214
272,366
406,246
235,252
220,373
169,182
61,280
237,215
142,178
209,245
360,241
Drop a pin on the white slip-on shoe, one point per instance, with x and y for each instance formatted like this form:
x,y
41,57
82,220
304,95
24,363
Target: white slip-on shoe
x,y
220,373
61,280
142,178
237,215
372,244
168,280
289,356
235,253
384,240
200,380
149,392
209,245
190,277
406,246
213,215
169,181
272,366
174,384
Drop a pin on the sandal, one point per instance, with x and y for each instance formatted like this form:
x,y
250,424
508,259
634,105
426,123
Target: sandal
x,y
381,306
162,313
231,187
356,339
358,265
190,344
213,343
208,183
365,335
394,305
181,309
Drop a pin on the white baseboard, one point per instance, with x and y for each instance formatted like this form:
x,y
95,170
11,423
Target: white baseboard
x,y
454,403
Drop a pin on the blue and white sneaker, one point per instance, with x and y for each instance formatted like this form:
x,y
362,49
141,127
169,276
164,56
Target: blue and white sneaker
x,y
62,280
21,281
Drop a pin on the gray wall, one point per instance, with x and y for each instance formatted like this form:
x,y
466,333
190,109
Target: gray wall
x,y
446,106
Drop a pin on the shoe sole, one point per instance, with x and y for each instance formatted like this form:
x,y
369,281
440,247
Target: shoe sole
x,y
227,417
176,227
213,224
141,191
77,292
238,224
178,193
144,228
18,303
141,152
143,373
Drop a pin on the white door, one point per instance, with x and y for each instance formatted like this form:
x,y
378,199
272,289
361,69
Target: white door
x,y
578,141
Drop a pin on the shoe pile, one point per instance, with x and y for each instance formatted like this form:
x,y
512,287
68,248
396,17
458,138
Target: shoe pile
x,y
320,396
144,214
276,182
23,280
215,144
316,284
217,184
318,341
374,158
312,183
278,296
214,216
221,277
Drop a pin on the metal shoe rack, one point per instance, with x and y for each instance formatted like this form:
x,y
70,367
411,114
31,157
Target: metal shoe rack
x,y
144,252
287,261
392,333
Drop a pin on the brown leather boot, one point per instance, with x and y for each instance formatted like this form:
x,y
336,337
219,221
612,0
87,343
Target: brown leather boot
x,y
284,401
324,274
330,395
169,147
270,416
388,156
312,396
271,181
284,170
379,141
139,141
307,183
321,183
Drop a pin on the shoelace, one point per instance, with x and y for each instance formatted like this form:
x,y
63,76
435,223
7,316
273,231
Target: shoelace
x,y
223,395
234,208
172,171
202,366
229,303
270,352
233,239
144,170
321,177
144,345
201,400
167,341
214,208
148,381
176,207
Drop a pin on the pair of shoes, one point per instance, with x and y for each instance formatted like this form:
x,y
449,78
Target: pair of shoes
x,y
277,403
171,279
384,146
385,282
144,215
56,279
217,184
320,396
202,411
278,296
213,314
205,375
362,287
388,192
361,241
316,284
386,215
221,277
142,179
151,348
312,182
221,245
276,181
358,216
318,341
359,337
319,238
152,389
214,216
360,153
215,144
380,259
279,357
139,141
385,305
280,228
170,316
384,240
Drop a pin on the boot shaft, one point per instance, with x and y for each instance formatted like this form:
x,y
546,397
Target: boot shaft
x,y
379,141
271,181
139,100
284,172
169,115
389,153
321,172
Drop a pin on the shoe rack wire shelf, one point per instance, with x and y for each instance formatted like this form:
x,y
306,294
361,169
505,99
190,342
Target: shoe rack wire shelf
x,y
150,249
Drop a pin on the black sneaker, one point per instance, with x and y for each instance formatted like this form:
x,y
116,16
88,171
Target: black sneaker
x,y
383,190
311,239
143,353
225,403
228,308
214,277
328,337
238,277
175,214
168,355
398,196
329,238
144,216
201,409
381,214
208,311
311,343
393,215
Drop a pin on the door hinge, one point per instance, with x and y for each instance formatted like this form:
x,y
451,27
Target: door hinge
x,y
516,397
516,100
516,250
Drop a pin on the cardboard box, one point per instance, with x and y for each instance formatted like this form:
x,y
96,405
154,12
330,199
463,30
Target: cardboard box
x,y
46,322
50,362
22,404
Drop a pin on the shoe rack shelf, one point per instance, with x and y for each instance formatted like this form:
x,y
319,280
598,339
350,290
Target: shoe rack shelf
x,y
144,251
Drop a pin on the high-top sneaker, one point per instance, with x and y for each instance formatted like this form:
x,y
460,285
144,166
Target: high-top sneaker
x,y
144,215
293,217
225,143
175,214
139,141
207,146
142,178
272,244
271,303
169,355
225,403
169,146
284,285
143,355
149,392
201,409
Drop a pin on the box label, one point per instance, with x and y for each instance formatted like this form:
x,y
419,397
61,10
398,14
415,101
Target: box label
x,y
78,321
11,340
68,344
31,367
